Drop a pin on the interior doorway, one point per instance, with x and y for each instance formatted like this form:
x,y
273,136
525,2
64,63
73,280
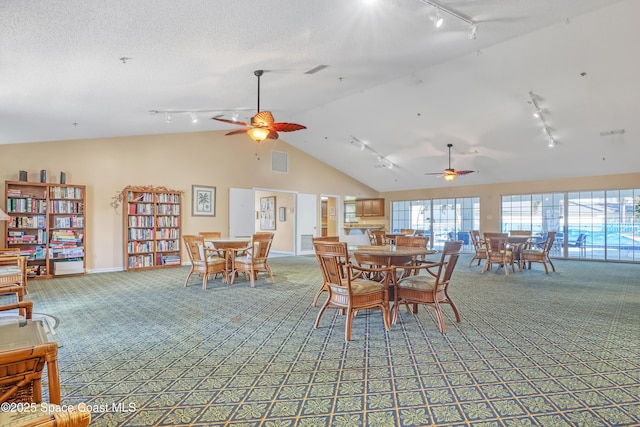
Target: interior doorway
x,y
330,215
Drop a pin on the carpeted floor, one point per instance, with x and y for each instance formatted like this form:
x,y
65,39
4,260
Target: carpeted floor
x,y
532,350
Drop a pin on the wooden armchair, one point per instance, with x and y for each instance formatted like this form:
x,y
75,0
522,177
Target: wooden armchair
x,y
379,237
256,258
47,416
538,252
497,253
21,374
413,242
324,286
478,246
348,290
431,288
12,306
13,270
204,261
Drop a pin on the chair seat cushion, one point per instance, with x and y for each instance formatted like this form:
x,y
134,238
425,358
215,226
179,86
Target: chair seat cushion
x,y
215,260
359,287
481,250
421,283
247,260
537,252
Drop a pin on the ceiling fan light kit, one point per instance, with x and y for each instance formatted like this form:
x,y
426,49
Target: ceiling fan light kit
x,y
263,125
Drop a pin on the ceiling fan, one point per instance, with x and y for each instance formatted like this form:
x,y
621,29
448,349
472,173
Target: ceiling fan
x,y
263,125
450,174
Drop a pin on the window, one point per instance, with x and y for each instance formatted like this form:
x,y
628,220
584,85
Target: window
x,y
440,219
601,225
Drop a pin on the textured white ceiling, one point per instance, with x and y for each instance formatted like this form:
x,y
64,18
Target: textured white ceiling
x,y
392,80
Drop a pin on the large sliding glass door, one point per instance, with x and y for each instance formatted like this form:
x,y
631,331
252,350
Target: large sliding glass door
x,y
599,225
440,219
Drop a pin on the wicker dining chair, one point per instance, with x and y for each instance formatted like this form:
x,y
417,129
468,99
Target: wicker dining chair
x,y
204,261
498,253
538,252
379,237
324,287
348,291
478,246
431,288
21,374
256,258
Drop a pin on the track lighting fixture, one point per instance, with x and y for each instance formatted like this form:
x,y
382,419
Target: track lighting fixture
x,y
537,113
438,20
194,117
473,30
382,161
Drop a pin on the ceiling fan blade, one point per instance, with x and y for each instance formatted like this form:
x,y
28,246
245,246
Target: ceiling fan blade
x,y
464,172
272,135
236,132
286,127
434,173
230,121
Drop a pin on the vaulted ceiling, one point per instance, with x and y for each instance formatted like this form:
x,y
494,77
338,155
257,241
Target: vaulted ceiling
x,y
395,90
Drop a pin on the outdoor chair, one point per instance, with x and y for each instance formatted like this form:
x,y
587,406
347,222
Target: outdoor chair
x,y
580,243
431,288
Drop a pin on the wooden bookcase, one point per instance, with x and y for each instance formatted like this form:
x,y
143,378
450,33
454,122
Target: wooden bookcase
x,y
152,227
47,224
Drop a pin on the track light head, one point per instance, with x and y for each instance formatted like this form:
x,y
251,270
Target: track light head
x,y
473,29
437,19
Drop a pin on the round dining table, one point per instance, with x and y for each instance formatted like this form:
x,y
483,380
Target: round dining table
x,y
390,256
228,246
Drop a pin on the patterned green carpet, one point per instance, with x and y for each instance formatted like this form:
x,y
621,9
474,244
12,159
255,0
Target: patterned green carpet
x,y
532,350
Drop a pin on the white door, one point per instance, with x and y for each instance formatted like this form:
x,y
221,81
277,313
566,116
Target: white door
x,y
242,212
306,222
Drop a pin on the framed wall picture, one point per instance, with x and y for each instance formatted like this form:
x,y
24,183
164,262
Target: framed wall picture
x,y
203,200
268,213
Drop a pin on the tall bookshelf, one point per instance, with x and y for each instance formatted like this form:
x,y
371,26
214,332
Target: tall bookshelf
x,y
152,226
47,224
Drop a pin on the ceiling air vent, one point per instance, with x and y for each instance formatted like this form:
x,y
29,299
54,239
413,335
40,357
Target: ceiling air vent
x,y
279,162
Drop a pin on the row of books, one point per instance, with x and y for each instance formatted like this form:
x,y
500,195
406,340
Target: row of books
x,y
168,198
65,193
66,252
140,234
140,221
167,233
167,245
168,210
34,221
139,197
66,206
17,193
168,221
138,261
68,221
141,209
139,247
29,205
20,237
65,236
170,259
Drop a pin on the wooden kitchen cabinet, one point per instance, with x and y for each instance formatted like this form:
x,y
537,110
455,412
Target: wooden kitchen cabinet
x,y
369,207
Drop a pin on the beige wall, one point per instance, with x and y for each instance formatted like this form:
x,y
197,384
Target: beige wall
x,y
490,194
284,234
175,161
178,161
